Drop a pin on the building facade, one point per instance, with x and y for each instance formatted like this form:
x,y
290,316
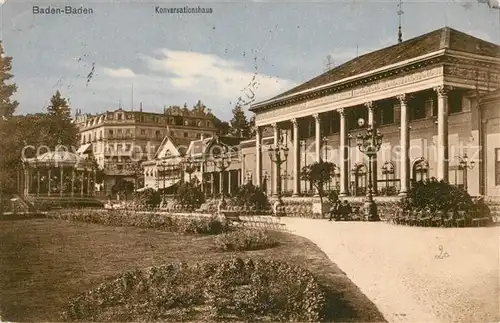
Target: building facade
x,y
120,140
434,98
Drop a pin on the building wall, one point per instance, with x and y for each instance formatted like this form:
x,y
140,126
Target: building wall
x,y
463,138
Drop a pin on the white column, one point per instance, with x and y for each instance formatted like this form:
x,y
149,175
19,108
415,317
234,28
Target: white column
x,y
371,122
229,182
442,136
344,155
221,182
275,173
242,171
212,183
296,158
405,145
318,136
258,157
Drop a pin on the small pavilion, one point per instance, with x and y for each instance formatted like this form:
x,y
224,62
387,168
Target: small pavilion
x,y
59,174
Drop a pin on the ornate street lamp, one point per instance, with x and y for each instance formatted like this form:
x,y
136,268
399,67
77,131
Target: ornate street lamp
x,y
278,155
303,145
190,166
222,162
465,165
369,143
164,166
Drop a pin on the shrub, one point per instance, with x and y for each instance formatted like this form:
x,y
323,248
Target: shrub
x,y
189,195
244,239
226,290
148,198
251,196
436,196
187,225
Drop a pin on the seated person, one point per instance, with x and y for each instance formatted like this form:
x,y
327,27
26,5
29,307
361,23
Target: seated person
x,y
345,210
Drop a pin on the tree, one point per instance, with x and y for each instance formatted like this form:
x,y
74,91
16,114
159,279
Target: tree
x,y
148,198
251,196
61,128
223,128
318,174
7,107
240,126
251,124
189,195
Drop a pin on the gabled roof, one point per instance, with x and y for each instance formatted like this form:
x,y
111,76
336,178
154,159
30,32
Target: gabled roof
x,y
180,144
202,146
444,38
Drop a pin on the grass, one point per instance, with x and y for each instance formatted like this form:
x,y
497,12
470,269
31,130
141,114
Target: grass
x,y
44,263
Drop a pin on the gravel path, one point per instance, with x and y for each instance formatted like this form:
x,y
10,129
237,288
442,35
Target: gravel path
x,y
404,272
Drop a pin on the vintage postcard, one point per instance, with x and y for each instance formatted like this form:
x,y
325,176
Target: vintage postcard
x,y
325,161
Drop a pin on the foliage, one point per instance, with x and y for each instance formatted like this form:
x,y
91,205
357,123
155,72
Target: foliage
x,y
233,289
435,196
61,129
244,239
122,187
333,197
148,198
7,107
318,174
162,222
251,196
240,127
189,194
223,128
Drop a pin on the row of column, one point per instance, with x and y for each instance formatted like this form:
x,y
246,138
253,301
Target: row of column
x,y
229,187
29,185
442,145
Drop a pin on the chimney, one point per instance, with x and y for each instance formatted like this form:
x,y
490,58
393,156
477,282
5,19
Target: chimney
x,y
202,137
140,109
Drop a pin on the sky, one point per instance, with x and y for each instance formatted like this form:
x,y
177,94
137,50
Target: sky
x,y
126,52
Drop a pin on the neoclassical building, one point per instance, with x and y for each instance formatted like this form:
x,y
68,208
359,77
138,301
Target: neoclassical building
x,y
434,98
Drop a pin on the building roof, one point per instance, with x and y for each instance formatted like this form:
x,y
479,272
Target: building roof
x,y
59,158
181,144
202,145
444,38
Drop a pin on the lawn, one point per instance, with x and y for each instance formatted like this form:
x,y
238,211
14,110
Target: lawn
x,y
43,263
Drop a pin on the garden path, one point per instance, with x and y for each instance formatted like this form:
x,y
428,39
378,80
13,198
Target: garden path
x,y
412,273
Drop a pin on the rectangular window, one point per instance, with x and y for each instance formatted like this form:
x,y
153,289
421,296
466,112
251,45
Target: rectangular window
x,y
143,132
387,114
111,133
157,133
497,166
417,109
455,102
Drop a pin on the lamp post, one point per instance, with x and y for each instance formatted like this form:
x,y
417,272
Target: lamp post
x,y
278,155
303,145
325,144
465,165
164,174
189,166
222,162
369,143
266,180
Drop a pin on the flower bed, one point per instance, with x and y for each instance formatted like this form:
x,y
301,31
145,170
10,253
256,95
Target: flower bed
x,y
233,290
164,222
244,239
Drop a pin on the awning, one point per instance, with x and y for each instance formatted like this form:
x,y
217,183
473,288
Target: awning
x,y
168,183
83,148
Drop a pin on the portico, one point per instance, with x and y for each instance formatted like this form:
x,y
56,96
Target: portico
x,y
417,93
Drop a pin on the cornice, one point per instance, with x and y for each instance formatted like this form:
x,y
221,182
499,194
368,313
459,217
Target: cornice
x,y
349,82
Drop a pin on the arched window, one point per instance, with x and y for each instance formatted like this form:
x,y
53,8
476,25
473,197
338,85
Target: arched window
x,y
388,177
420,170
358,184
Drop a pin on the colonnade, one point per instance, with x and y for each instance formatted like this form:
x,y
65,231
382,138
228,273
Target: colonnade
x,y
58,181
404,162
